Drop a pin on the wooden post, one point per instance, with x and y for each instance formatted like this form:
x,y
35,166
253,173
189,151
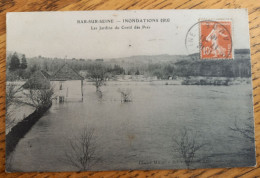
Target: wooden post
x,y
82,89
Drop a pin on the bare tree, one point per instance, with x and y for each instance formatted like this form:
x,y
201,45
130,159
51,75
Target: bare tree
x,y
247,130
81,152
126,95
37,98
11,92
98,75
187,145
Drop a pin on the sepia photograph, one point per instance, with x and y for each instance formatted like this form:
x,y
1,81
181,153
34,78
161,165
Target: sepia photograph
x,y
128,90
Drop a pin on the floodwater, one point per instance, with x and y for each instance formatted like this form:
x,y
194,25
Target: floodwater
x,y
139,134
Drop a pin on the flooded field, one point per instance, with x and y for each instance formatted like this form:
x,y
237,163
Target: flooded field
x,y
139,134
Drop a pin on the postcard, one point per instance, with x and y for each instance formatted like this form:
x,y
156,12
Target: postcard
x,y
128,90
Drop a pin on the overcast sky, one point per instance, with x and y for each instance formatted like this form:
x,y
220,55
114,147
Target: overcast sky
x,y
57,34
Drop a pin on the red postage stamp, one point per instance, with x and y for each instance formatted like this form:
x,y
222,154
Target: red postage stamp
x,y
216,40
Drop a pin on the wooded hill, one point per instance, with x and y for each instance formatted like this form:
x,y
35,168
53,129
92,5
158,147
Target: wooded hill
x,y
162,66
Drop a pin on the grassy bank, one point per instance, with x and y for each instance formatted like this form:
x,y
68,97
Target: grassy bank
x,y
22,127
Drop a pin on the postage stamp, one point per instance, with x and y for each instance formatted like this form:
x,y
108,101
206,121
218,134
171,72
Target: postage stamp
x,y
216,40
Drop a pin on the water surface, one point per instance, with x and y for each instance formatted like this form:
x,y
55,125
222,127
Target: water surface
x,y
138,134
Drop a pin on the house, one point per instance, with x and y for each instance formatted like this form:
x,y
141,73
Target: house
x,y
67,84
39,80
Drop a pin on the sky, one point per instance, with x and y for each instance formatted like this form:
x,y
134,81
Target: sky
x,y
57,34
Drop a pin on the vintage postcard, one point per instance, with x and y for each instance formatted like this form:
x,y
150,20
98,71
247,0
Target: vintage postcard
x,y
128,90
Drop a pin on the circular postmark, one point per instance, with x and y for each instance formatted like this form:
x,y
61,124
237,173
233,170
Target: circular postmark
x,y
208,39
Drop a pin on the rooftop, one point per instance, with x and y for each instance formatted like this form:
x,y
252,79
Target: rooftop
x,y
38,80
66,73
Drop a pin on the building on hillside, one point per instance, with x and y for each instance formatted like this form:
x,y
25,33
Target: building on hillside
x,y
39,80
67,84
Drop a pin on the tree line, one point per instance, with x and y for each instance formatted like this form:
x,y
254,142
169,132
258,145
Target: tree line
x,y
24,67
16,63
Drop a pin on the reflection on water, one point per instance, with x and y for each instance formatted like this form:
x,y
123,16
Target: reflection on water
x,y
138,134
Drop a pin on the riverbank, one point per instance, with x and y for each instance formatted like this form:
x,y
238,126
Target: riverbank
x,y
22,127
191,80
218,81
